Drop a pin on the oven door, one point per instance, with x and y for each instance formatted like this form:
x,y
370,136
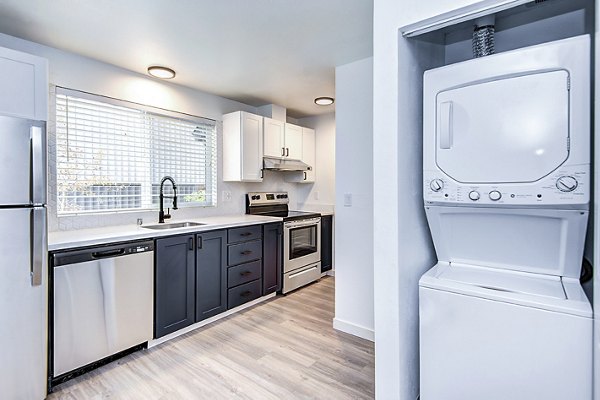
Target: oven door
x,y
301,243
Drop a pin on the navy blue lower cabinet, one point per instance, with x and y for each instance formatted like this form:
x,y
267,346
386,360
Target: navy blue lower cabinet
x,y
326,242
272,257
174,284
211,274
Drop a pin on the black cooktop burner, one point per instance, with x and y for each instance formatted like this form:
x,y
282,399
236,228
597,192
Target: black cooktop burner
x,y
287,215
296,215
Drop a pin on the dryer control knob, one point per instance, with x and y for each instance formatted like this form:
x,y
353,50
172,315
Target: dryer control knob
x,y
495,195
474,195
566,183
436,185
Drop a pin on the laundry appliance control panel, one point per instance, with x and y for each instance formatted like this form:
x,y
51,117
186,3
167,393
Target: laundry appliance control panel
x,y
569,185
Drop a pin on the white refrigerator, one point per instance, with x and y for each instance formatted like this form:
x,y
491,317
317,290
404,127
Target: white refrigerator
x,y
23,259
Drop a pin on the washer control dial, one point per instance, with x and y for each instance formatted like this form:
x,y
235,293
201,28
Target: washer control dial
x,y
566,183
474,195
495,195
436,185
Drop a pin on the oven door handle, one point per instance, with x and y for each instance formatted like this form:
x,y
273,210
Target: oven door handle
x,y
306,222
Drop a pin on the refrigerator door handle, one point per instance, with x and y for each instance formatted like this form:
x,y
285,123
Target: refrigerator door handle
x,y
38,245
38,165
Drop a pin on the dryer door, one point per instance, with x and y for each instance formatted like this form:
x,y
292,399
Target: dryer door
x,y
509,130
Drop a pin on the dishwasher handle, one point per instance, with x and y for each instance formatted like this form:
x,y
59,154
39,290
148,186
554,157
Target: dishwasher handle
x,y
108,253
74,256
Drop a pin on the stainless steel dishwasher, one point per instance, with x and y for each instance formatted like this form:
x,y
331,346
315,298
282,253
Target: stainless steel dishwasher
x,y
103,303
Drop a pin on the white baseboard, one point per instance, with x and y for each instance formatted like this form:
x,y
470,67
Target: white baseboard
x,y
353,329
207,321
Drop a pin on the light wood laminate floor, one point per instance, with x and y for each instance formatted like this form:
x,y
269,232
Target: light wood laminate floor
x,y
284,348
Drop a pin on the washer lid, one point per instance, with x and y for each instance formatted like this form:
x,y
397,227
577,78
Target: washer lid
x,y
538,241
532,290
508,130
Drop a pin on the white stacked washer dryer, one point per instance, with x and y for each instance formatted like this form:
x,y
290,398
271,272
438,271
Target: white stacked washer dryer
x,y
506,165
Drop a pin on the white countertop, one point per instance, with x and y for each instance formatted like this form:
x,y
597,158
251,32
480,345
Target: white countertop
x,y
323,209
60,240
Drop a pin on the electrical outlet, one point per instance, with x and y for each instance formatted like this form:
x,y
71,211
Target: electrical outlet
x,y
226,195
347,199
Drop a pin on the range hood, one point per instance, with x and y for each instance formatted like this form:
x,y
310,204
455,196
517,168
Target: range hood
x,y
284,164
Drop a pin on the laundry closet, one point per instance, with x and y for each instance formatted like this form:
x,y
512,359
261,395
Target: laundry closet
x,y
503,92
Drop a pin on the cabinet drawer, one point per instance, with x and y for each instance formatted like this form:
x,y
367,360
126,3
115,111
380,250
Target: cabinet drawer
x,y
244,252
243,273
243,293
244,234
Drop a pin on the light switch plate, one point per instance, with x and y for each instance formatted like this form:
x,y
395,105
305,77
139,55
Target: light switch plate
x,y
347,199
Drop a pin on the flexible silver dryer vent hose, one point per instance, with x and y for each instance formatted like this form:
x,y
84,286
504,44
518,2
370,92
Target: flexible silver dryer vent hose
x,y
483,36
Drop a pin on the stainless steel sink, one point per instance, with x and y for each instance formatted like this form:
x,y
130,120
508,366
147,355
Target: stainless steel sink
x,y
173,225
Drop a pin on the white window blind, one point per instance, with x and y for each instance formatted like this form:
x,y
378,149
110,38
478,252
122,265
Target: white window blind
x,y
112,154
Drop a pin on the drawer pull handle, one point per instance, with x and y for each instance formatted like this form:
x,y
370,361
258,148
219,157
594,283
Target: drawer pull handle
x,y
246,293
246,234
246,252
245,273
302,272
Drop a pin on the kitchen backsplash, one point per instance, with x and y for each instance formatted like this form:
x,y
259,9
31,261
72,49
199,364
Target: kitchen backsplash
x,y
273,181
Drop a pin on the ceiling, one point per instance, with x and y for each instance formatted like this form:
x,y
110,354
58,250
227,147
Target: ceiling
x,y
257,52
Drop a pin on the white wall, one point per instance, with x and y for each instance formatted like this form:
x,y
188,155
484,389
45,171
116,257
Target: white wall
x,y
76,72
354,176
320,194
398,232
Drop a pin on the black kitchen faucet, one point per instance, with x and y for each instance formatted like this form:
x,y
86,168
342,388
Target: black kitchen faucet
x,y
161,214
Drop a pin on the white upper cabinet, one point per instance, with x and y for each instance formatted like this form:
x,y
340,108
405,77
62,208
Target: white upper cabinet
x,y
23,85
242,147
282,140
308,153
274,134
293,141
308,157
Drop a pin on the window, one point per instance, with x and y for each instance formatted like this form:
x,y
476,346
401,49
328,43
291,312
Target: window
x,y
112,154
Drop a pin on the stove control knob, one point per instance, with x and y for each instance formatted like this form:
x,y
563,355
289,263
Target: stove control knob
x,y
566,183
436,185
474,195
284,196
495,195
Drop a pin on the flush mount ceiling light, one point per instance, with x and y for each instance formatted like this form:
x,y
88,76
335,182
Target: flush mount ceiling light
x,y
324,101
161,72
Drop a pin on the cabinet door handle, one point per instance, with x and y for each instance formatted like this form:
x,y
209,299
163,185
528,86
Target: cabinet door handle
x,y
199,243
246,234
191,243
246,293
245,273
246,252
282,151
305,175
287,149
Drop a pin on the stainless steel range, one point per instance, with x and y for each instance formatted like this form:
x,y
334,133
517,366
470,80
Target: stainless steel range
x,y
301,237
